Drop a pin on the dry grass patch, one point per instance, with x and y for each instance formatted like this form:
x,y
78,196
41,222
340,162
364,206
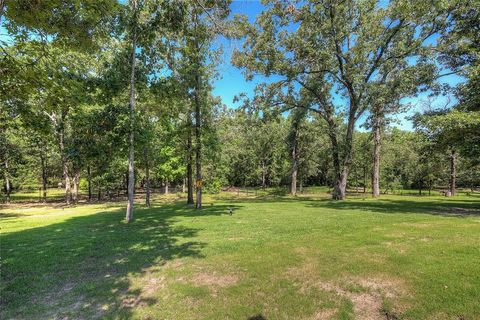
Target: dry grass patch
x,y
366,294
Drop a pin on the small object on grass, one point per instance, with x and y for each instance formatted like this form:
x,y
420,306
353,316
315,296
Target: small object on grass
x,y
230,211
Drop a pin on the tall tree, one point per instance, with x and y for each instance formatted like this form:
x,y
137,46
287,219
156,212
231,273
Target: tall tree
x,y
131,152
337,50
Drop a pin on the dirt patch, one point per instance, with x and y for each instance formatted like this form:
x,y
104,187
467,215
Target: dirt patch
x,y
214,280
367,302
153,284
366,294
175,264
324,314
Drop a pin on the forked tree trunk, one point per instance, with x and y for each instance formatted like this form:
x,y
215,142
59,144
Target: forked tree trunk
x,y
453,172
376,157
131,157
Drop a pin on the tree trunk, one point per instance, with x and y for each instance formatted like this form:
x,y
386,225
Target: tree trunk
x,y
61,139
189,163
76,182
44,177
198,149
364,179
264,179
89,180
7,181
293,187
376,157
340,187
166,186
453,172
340,182
131,158
183,185
147,181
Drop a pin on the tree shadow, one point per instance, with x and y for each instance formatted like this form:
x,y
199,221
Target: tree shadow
x,y
257,317
84,265
447,208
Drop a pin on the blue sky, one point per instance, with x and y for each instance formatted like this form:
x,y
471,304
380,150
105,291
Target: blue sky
x,y
232,81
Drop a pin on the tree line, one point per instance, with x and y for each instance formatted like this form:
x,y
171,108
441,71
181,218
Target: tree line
x,y
110,96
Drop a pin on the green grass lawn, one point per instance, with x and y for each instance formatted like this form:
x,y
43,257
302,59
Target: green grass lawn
x,y
400,257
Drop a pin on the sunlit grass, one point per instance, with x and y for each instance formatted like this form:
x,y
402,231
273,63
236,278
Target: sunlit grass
x,y
301,257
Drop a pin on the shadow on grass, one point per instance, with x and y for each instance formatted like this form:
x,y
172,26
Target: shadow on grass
x,y
84,265
449,208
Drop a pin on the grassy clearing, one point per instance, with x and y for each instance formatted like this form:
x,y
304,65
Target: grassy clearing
x,y
275,258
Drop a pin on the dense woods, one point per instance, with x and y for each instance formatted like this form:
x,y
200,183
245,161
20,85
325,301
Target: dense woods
x,y
106,99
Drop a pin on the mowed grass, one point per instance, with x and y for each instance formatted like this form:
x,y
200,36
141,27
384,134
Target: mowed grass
x,y
399,257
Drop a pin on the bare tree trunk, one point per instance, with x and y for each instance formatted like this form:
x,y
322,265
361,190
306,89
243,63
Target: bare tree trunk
x,y
131,157
44,177
339,184
7,181
264,182
364,179
89,180
147,180
76,182
66,176
340,188
166,186
453,172
198,149
293,186
183,185
189,163
376,157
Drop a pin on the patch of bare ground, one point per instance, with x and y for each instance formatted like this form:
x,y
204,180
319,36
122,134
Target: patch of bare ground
x,y
62,309
366,294
367,302
323,314
214,281
153,284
